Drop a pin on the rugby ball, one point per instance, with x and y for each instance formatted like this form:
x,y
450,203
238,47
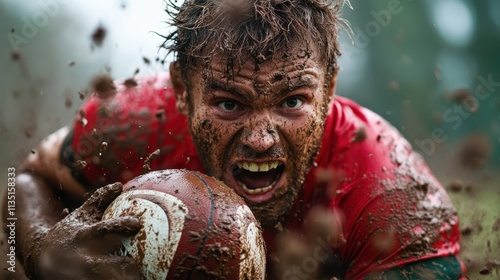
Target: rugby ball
x,y
193,227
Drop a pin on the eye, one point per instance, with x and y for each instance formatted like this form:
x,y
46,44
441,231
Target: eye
x,y
228,105
293,102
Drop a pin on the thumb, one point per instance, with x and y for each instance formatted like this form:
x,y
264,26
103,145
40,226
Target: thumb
x,y
101,199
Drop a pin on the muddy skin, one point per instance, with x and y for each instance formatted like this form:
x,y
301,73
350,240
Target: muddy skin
x,y
221,136
71,245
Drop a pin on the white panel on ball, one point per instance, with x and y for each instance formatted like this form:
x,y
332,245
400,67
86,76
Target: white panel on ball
x,y
253,251
162,231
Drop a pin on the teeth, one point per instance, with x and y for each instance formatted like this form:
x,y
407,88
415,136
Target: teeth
x,y
274,165
256,191
264,167
245,166
253,167
258,167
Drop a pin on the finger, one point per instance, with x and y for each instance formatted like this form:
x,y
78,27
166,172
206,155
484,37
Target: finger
x,y
122,226
101,199
115,267
63,265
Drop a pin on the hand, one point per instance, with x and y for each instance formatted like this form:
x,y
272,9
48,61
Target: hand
x,y
79,246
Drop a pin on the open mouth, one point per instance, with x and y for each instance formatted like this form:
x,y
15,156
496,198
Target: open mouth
x,y
256,178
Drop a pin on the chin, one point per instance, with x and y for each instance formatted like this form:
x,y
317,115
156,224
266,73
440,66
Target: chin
x,y
269,215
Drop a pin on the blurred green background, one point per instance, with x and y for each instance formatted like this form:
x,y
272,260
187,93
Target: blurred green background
x,y
430,67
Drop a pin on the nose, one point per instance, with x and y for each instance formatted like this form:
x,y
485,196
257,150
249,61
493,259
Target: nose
x,y
260,137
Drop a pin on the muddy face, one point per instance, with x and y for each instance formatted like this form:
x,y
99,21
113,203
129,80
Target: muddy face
x,y
258,127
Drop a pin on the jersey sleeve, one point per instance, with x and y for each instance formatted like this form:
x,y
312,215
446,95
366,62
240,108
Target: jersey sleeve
x,y
396,212
112,138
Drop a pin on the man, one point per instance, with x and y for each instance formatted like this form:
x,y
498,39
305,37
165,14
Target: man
x,y
250,100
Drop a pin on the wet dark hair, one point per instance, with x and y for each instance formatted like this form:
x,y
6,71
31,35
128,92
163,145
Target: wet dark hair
x,y
255,29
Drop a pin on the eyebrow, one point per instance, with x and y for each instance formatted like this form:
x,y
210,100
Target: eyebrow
x,y
287,87
214,85
291,86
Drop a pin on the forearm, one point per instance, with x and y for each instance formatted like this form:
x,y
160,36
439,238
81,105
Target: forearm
x,y
38,208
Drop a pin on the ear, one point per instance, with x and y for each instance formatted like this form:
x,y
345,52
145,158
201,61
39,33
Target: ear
x,y
180,92
333,83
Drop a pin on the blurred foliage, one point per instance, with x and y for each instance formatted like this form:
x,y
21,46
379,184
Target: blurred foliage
x,y
408,71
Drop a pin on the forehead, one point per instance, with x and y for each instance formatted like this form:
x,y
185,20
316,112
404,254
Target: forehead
x,y
290,66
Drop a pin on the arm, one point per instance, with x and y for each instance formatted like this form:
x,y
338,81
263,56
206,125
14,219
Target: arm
x,y
108,141
44,188
39,208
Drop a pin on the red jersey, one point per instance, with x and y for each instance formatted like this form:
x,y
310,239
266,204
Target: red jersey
x,y
370,174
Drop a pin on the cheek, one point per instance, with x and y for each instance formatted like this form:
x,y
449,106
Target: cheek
x,y
212,139
302,131
205,134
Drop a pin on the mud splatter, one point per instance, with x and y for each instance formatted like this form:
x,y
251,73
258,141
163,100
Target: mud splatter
x,y
68,102
474,151
82,94
99,35
16,55
146,167
456,186
359,135
463,96
130,83
103,86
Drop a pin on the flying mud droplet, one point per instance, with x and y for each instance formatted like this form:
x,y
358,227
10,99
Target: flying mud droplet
x,y
68,102
359,135
16,55
103,86
146,167
82,94
456,186
474,151
130,83
98,36
464,97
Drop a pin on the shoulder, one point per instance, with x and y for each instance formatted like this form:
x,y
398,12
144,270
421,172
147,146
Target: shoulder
x,y
358,139
131,95
385,191
113,136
